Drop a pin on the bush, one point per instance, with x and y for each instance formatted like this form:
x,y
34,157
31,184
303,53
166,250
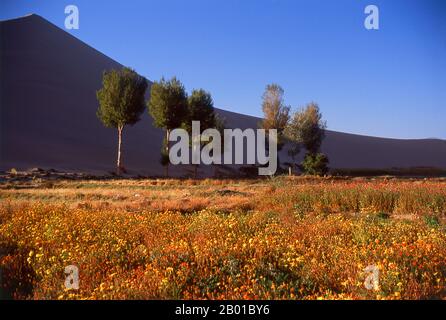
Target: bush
x,y
315,164
431,221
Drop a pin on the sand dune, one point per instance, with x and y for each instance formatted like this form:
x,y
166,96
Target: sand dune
x,y
48,113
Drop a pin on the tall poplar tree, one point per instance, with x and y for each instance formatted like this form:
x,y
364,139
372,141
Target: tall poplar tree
x,y
121,103
168,108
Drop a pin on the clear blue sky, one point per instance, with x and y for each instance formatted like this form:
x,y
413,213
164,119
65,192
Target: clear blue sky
x,y
388,83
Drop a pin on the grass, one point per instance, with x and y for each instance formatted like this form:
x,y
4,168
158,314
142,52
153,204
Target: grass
x,y
281,238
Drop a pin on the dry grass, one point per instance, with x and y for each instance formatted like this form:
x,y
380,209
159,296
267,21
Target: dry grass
x,y
282,238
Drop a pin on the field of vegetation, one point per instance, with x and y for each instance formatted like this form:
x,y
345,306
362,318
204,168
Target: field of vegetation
x,y
281,238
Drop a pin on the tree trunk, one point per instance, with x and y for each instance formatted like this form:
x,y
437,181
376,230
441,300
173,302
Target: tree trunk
x,y
119,161
167,151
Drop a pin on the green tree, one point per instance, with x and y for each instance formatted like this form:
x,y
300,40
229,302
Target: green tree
x,y
307,128
315,164
201,108
121,102
168,108
276,114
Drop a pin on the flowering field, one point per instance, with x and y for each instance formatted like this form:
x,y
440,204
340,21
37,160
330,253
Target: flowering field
x,y
224,239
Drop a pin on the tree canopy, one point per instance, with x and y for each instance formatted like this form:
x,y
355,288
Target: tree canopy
x,y
168,107
168,104
276,113
307,127
121,98
201,108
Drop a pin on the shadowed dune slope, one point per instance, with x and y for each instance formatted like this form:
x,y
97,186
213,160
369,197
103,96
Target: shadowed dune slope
x,y
48,113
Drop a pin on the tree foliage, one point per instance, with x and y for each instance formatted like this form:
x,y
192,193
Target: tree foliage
x,y
201,108
121,98
315,164
307,127
169,109
276,113
121,102
168,104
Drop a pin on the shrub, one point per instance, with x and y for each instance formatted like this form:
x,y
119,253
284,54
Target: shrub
x,y
315,164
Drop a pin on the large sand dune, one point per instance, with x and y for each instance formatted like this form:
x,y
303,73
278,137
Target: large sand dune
x,y
48,113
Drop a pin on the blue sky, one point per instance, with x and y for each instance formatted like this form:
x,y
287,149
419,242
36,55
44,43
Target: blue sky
x,y
389,82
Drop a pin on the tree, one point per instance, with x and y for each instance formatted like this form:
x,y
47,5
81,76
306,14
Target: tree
x,y
168,108
276,113
293,151
201,108
315,164
307,128
121,102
